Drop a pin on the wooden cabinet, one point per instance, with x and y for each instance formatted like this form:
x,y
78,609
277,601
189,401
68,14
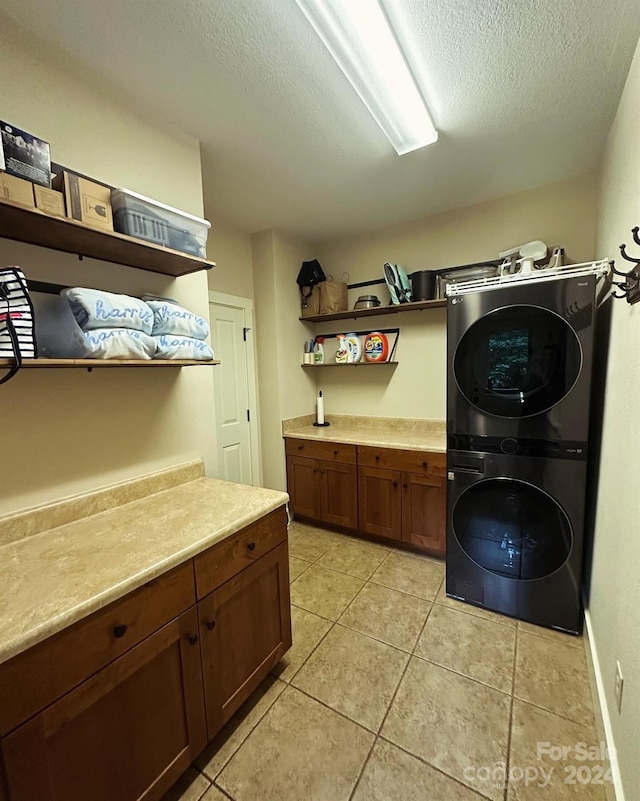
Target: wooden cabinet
x,y
36,678
245,628
118,705
424,512
128,732
303,485
323,483
338,494
380,502
386,492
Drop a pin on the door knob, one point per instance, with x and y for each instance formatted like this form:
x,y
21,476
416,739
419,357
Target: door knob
x,y
210,624
193,639
120,630
251,546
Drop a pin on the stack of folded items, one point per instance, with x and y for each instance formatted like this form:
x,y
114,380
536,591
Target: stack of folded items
x,y
91,324
111,326
178,333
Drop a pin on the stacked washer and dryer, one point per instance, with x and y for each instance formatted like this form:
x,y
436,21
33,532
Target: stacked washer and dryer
x,y
518,393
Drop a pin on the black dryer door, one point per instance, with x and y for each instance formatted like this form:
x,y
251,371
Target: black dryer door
x,y
517,361
512,528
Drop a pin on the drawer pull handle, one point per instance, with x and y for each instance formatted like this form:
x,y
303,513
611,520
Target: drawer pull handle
x,y
193,639
377,458
119,630
335,453
425,464
405,486
211,624
300,447
395,484
251,546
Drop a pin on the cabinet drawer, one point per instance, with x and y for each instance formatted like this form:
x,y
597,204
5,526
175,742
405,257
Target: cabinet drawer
x,y
224,560
407,461
31,681
329,451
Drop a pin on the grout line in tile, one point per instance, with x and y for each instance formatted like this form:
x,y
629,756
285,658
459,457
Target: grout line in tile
x,y
331,709
579,641
312,652
478,617
364,767
244,740
463,675
364,584
557,714
411,594
433,767
510,729
424,625
223,792
393,697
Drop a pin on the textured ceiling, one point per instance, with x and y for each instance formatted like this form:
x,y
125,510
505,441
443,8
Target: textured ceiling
x,y
522,91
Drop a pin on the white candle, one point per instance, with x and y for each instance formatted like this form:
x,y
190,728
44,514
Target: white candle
x,y
320,409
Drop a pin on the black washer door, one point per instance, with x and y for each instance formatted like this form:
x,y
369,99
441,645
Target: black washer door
x,y
517,362
512,529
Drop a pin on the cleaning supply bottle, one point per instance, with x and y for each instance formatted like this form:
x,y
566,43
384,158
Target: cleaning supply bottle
x,y
355,348
318,351
342,354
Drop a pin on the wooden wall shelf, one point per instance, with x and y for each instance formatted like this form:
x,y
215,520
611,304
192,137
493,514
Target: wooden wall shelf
x,y
69,236
89,364
346,364
356,314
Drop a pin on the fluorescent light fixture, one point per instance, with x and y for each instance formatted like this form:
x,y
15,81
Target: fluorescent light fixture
x,y
359,37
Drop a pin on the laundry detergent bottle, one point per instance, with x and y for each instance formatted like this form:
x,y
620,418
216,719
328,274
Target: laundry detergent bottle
x,y
376,347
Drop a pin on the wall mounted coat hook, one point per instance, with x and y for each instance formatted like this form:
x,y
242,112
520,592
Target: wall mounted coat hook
x,y
625,255
630,286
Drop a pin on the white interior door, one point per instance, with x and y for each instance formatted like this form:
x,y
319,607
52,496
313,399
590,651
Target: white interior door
x,y
232,392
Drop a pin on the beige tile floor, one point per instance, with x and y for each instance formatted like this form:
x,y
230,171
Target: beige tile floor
x,y
394,692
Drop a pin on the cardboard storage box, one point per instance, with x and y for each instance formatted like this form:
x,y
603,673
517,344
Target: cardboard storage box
x,y
16,190
23,155
86,200
49,201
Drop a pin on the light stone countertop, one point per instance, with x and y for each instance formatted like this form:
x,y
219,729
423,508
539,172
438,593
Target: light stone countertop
x,y
53,579
415,435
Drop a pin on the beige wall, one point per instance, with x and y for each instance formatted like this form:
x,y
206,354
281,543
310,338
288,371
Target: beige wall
x,y
614,605
231,251
285,390
560,214
72,431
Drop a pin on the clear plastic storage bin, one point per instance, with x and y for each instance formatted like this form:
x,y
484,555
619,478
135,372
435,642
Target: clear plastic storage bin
x,y
144,218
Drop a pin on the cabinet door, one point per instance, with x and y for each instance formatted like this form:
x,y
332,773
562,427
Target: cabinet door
x,y
339,494
128,732
303,486
380,502
424,511
245,628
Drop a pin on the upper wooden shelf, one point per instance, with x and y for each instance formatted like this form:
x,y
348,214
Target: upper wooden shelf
x,y
59,233
89,364
355,314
